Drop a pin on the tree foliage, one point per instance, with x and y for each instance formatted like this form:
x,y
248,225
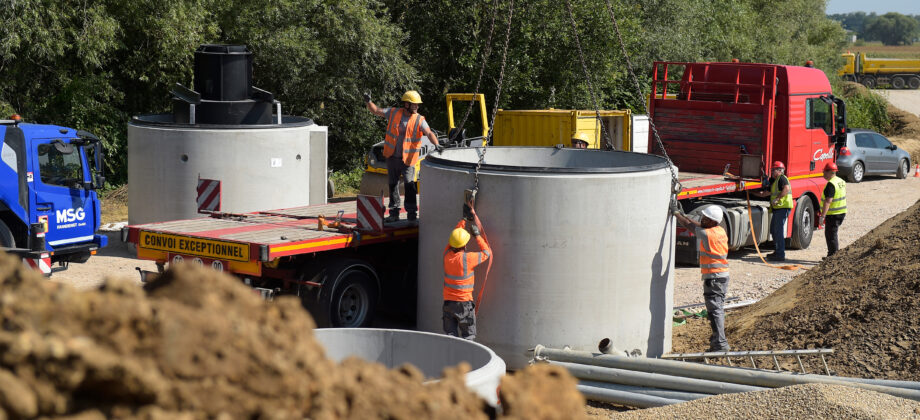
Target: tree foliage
x,y
893,29
92,65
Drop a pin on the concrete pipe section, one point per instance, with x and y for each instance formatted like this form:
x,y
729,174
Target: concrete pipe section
x,y
583,244
431,353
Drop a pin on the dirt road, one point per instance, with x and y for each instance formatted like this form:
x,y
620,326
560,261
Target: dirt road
x,y
907,100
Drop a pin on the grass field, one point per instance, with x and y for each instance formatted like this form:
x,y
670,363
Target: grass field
x,y
876,49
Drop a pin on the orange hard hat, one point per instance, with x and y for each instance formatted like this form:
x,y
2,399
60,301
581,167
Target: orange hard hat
x,y
779,165
831,166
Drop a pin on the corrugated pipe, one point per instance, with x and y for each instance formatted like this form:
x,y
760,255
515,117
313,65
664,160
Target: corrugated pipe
x,y
630,399
654,380
654,392
701,371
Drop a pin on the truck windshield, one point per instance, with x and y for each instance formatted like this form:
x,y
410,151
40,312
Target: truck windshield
x,y
61,169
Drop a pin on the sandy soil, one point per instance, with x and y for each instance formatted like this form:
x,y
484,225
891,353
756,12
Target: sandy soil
x,y
908,100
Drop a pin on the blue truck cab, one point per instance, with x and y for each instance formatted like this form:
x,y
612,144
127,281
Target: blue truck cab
x,y
48,203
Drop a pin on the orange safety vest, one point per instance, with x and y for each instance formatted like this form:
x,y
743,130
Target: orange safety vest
x,y
713,252
458,270
412,144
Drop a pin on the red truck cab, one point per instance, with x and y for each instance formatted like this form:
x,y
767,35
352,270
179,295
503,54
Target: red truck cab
x,y
723,124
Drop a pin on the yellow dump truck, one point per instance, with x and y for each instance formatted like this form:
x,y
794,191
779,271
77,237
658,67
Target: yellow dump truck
x,y
898,73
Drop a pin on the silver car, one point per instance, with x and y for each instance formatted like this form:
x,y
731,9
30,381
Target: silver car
x,y
870,153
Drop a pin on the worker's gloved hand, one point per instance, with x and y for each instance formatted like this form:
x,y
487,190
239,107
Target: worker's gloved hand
x,y
439,148
367,97
675,206
474,230
467,212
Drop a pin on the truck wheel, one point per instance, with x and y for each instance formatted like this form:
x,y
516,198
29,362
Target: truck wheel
x,y
6,236
914,82
903,169
859,170
868,81
898,82
802,223
354,300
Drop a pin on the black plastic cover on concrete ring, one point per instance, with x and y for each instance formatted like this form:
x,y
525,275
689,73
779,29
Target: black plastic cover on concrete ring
x,y
166,120
615,161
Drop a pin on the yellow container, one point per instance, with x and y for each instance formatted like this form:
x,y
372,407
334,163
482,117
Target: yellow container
x,y
549,127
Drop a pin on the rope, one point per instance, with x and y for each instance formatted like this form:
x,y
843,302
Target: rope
x,y
676,186
584,68
482,67
485,277
754,237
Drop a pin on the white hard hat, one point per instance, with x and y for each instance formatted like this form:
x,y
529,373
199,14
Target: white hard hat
x,y
713,212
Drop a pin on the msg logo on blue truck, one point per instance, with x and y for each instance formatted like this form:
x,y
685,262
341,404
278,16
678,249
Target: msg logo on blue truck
x,y
69,218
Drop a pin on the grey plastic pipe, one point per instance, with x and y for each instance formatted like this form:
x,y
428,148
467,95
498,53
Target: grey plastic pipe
x,y
881,382
655,392
629,399
654,380
701,371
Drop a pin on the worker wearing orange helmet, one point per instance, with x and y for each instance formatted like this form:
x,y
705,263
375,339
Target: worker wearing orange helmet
x,y
402,146
459,314
780,194
713,246
833,206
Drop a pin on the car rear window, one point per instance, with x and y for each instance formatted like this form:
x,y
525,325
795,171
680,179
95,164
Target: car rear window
x,y
864,140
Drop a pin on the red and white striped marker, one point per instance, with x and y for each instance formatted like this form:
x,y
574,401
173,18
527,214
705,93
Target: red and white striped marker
x,y
208,195
42,264
370,213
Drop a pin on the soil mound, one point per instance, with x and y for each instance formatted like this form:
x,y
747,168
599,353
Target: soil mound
x,y
861,302
812,401
905,131
198,344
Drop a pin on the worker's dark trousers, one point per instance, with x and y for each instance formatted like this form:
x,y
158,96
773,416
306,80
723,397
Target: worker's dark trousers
x,y
714,291
831,223
778,231
460,319
396,168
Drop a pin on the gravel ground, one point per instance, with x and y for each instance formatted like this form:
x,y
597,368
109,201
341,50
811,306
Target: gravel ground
x,y
908,100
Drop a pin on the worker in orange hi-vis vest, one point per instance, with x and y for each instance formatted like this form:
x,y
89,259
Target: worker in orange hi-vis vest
x,y
713,248
459,310
402,147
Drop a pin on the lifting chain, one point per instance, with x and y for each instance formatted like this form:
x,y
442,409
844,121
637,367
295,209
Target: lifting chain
x,y
675,182
584,68
487,51
498,94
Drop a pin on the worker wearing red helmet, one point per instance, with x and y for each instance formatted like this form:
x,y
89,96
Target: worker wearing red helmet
x,y
833,206
780,194
459,311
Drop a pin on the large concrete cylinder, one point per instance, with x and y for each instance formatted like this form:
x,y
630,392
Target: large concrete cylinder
x,y
260,167
583,247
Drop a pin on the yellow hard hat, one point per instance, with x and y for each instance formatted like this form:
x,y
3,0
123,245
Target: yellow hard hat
x,y
581,135
412,97
459,237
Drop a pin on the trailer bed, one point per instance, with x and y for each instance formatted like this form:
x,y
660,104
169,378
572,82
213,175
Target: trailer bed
x,y
263,235
697,184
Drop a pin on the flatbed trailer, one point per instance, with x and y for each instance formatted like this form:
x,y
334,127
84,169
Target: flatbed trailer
x,y
340,273
723,124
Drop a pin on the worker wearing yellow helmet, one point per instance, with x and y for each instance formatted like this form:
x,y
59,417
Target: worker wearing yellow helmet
x,y
459,314
581,140
402,147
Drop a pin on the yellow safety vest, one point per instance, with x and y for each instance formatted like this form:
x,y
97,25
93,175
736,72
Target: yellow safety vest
x,y
839,202
786,201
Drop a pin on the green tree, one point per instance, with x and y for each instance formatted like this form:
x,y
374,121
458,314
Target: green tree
x,y
893,29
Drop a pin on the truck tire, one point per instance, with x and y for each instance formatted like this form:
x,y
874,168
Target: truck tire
x,y
868,81
802,223
903,169
898,82
6,236
859,171
354,300
914,82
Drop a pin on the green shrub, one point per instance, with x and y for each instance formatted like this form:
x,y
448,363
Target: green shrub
x,y
347,181
865,109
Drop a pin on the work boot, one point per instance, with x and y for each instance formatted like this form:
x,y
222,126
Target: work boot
x,y
724,348
392,218
774,257
412,216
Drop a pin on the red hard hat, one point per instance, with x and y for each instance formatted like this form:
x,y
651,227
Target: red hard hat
x,y
831,166
778,164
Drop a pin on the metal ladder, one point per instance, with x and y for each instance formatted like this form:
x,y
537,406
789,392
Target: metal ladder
x,y
727,355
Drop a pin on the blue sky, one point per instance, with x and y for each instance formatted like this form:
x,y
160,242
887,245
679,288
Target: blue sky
x,y
907,7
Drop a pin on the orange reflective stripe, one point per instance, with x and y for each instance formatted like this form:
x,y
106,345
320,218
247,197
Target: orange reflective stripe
x,y
392,132
412,144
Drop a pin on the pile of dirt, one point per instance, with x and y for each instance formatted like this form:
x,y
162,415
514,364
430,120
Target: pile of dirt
x,y
862,302
905,131
198,344
812,401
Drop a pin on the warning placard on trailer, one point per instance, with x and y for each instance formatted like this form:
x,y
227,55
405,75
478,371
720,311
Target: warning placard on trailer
x,y
194,246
